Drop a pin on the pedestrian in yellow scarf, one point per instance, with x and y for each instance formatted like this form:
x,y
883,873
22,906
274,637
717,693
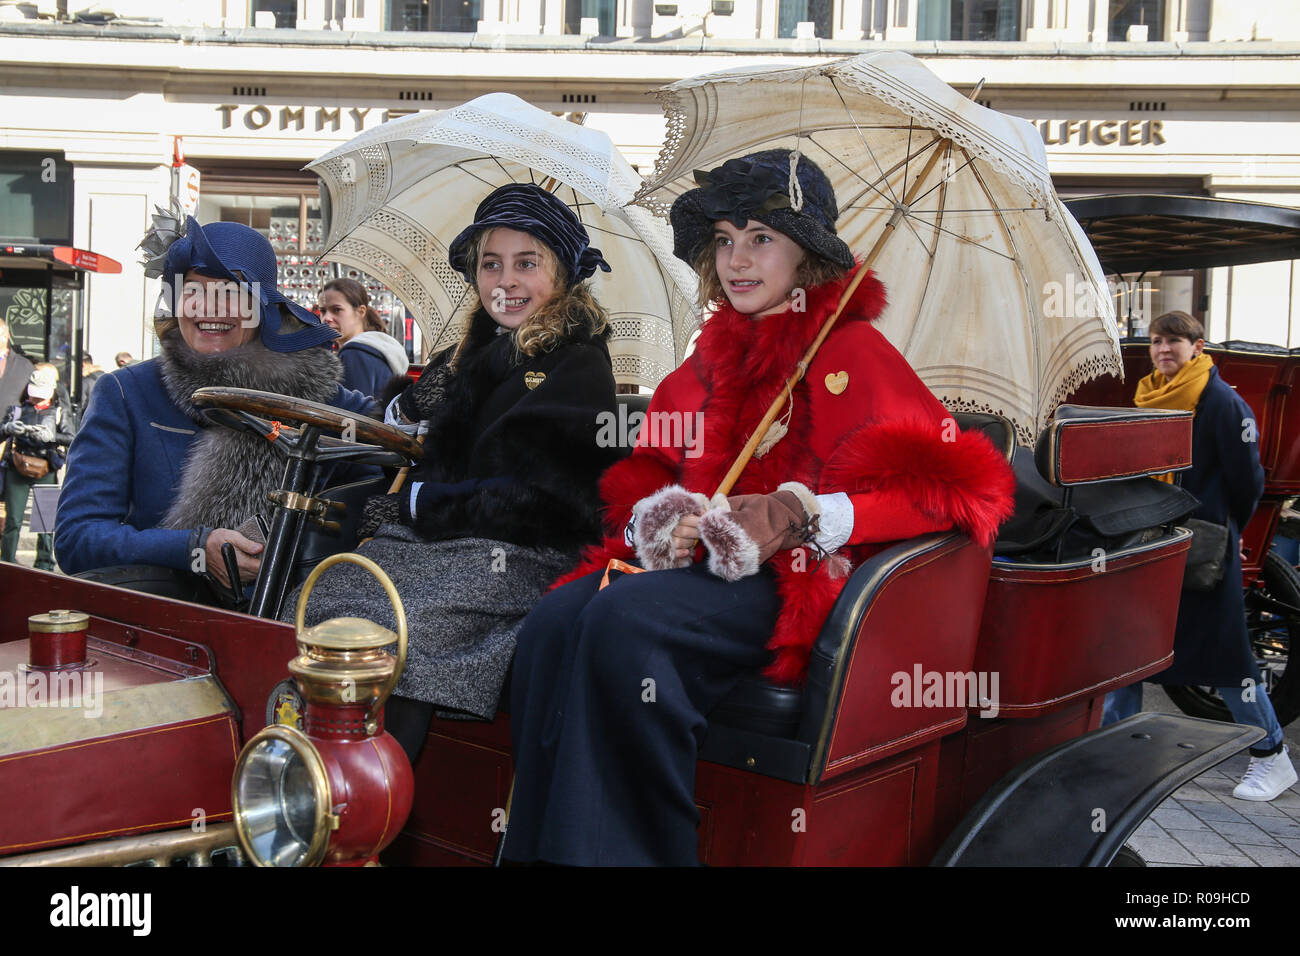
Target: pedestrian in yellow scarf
x,y
1182,370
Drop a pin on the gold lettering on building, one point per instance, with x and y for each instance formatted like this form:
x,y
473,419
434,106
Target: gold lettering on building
x,y
1101,132
288,116
323,116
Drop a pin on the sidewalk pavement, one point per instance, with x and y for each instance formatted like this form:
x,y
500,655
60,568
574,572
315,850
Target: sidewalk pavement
x,y
1203,824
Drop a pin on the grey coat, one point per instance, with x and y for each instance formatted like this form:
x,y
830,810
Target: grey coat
x,y
465,600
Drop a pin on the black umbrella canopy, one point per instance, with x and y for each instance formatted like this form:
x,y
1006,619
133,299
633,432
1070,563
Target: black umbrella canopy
x,y
1150,233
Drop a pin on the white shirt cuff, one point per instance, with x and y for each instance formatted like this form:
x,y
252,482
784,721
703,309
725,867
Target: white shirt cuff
x,y
836,521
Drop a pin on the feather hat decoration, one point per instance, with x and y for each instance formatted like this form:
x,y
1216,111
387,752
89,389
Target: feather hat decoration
x,y
168,226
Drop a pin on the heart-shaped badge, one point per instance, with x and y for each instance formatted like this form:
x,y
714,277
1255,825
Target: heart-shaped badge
x,y
837,382
533,379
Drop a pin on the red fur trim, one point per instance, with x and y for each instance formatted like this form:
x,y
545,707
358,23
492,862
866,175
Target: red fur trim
x,y
963,480
806,599
628,481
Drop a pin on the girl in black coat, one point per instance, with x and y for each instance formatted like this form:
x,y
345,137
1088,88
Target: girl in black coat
x,y
506,493
1211,644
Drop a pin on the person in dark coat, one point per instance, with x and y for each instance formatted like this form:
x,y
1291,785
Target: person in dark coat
x,y
38,431
149,481
506,492
1211,644
15,370
370,356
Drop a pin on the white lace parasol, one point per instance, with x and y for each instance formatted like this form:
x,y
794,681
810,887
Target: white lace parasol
x,y
398,194
996,297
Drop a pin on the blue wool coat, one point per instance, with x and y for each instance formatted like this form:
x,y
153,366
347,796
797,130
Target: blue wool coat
x,y
1211,646
123,472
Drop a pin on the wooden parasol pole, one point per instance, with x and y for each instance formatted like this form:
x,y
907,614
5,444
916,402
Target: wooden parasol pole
x,y
943,147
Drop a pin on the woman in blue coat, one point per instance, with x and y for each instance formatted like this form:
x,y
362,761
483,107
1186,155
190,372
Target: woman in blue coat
x,y
149,482
370,356
1211,645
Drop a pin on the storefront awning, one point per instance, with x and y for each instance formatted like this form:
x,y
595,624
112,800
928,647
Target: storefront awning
x,y
1148,233
20,262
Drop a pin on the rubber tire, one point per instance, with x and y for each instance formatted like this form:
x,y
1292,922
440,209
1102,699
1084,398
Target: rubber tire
x,y
1281,581
1127,856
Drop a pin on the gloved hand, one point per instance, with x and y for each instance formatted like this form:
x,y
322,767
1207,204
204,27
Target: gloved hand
x,y
12,428
378,509
653,520
743,531
418,402
41,433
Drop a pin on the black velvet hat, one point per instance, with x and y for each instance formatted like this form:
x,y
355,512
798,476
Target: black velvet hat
x,y
757,186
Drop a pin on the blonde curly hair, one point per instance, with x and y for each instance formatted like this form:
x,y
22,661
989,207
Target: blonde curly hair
x,y
570,311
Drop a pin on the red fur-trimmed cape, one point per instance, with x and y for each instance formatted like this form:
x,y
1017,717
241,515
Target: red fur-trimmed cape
x,y
885,439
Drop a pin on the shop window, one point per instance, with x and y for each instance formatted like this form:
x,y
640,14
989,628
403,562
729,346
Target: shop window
x,y
285,11
35,197
968,20
1131,13
438,16
791,13
575,11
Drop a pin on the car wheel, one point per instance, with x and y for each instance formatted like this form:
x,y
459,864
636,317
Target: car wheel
x,y
1271,634
1127,856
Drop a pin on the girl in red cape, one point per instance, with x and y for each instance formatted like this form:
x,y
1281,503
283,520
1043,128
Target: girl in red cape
x,y
611,688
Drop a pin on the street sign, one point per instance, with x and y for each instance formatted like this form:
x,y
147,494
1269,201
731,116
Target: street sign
x,y
185,188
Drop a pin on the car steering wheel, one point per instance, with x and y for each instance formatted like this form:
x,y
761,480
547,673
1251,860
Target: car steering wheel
x,y
265,413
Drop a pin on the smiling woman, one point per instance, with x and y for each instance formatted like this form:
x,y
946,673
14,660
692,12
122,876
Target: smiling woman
x,y
149,481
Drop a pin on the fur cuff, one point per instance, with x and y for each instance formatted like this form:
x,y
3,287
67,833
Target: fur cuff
x,y
811,506
732,552
655,518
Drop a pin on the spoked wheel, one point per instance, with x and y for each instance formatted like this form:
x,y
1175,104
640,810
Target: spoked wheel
x,y
1272,631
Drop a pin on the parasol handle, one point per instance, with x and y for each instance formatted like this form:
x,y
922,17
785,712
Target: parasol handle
x,y
801,369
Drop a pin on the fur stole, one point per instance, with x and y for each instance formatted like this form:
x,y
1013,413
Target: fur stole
x,y
228,474
903,451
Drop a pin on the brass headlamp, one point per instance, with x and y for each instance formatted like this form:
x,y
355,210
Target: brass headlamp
x,y
339,790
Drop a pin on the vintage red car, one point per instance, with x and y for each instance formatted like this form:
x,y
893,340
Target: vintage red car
x,y
950,715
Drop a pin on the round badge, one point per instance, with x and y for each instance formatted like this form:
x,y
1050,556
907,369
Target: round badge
x,y
284,705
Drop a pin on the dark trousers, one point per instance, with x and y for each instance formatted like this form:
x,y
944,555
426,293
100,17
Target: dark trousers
x,y
17,489
610,691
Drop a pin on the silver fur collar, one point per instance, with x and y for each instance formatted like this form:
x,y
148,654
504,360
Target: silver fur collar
x,y
228,474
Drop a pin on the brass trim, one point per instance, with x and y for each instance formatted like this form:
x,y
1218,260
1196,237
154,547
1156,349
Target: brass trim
x,y
927,544
399,612
325,821
58,622
156,849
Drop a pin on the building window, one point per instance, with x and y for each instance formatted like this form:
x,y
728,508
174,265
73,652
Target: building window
x,y
968,20
575,11
35,198
285,11
793,12
437,16
1132,13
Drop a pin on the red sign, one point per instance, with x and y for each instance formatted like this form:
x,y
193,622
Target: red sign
x,y
88,261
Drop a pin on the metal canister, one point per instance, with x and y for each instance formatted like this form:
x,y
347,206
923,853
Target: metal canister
x,y
57,639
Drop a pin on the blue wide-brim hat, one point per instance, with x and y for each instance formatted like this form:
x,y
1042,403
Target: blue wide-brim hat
x,y
531,209
757,186
230,250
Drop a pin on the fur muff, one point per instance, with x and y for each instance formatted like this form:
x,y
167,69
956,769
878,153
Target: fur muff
x,y
228,474
656,516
